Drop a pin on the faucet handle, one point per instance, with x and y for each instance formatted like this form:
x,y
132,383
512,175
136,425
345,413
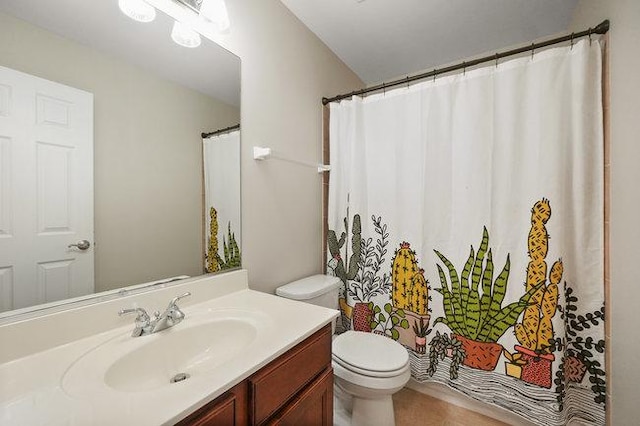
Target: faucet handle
x,y
173,313
143,321
142,314
175,299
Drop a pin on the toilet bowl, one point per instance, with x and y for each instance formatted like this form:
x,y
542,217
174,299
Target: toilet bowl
x,y
368,368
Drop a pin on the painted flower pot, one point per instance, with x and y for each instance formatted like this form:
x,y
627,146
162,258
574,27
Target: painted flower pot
x,y
345,308
362,317
480,355
406,335
346,312
537,370
574,369
513,370
421,345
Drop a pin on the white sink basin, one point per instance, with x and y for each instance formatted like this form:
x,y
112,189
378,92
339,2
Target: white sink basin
x,y
188,350
195,347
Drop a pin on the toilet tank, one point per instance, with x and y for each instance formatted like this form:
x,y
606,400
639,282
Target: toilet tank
x,y
322,290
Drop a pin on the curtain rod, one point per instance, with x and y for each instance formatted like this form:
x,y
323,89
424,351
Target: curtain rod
x,y
601,28
218,132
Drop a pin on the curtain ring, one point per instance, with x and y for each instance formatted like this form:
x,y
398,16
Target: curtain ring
x,y
496,59
533,50
384,89
434,75
407,82
590,36
464,68
572,34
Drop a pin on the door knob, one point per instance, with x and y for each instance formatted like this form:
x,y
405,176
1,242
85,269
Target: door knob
x,y
82,245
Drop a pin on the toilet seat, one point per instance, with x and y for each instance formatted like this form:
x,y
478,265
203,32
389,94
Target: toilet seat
x,y
370,354
354,382
369,373
370,351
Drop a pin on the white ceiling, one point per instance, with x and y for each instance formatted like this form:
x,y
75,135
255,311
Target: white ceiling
x,y
385,39
100,25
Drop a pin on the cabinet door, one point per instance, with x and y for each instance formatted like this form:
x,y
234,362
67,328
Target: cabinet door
x,y
313,406
230,409
222,414
275,385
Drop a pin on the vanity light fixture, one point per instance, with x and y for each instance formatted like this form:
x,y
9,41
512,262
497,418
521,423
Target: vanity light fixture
x,y
198,13
215,11
184,35
138,10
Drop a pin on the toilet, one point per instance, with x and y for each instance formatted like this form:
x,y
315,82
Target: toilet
x,y
368,368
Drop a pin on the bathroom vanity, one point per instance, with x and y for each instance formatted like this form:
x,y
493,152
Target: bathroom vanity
x,y
240,357
295,389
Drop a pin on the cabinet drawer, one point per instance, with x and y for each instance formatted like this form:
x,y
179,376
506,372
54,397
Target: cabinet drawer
x,y
222,413
278,382
230,409
312,407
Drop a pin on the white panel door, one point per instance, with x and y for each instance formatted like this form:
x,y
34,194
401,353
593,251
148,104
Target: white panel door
x,y
46,190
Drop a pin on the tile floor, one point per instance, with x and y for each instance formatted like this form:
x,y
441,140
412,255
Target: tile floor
x,y
413,408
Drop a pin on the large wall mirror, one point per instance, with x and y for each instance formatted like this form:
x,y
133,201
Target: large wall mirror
x,y
119,153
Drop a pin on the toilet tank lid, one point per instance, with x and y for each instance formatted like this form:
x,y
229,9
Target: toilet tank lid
x,y
308,288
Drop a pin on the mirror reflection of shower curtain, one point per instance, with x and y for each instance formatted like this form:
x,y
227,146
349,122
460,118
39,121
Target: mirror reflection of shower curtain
x,y
221,155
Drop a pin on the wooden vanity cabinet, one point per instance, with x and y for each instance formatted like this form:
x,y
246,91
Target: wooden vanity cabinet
x,y
229,409
294,389
314,406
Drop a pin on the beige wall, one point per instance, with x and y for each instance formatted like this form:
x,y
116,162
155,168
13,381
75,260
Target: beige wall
x,y
148,218
624,366
286,71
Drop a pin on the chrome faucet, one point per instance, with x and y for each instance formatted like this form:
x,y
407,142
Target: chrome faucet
x,y
143,322
144,325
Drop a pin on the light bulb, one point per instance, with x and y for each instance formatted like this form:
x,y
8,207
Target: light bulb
x,y
138,10
215,11
184,35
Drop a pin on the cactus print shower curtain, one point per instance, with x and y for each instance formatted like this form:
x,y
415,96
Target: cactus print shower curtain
x,y
466,222
221,166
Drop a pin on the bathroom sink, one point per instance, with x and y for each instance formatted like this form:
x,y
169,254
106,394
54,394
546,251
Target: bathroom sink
x,y
170,358
185,351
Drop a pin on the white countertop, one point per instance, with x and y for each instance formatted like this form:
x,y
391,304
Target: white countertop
x,y
31,391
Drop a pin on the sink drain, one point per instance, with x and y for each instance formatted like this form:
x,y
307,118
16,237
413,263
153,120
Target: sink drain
x,y
179,377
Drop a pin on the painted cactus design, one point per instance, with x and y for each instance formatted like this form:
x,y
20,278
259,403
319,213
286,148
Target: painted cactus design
x,y
212,264
346,268
536,330
419,296
231,251
403,269
475,316
409,288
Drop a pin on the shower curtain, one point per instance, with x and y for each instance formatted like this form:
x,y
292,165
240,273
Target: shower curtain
x,y
466,222
221,156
